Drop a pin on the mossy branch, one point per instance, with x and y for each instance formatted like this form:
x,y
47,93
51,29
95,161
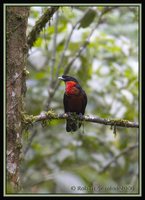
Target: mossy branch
x,y
50,115
40,24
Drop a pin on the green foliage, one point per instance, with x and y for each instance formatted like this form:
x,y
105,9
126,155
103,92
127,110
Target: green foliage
x,y
108,71
87,19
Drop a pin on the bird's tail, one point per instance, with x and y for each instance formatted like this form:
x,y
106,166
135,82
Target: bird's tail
x,y
72,125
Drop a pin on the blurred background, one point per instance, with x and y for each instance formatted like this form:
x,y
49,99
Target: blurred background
x,y
99,47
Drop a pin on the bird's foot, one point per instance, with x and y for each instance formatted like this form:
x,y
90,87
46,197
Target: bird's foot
x,y
68,114
80,115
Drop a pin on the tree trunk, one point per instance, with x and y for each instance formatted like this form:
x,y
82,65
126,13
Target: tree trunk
x,y
16,50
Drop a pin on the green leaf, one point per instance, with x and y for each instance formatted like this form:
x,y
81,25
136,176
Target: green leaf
x,y
87,19
38,42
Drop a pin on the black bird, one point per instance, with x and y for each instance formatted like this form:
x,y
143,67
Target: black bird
x,y
75,101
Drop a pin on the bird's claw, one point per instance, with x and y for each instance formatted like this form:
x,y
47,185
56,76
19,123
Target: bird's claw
x,y
80,115
69,114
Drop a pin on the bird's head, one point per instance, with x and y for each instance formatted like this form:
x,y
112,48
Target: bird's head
x,y
72,85
67,78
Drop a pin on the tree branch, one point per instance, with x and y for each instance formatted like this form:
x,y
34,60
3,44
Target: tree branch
x,y
50,115
30,141
65,48
53,60
40,24
125,151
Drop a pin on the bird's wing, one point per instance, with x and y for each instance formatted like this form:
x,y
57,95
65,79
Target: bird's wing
x,y
65,103
84,101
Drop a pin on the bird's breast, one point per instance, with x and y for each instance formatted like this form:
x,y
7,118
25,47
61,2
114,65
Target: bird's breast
x,y
75,103
71,88
72,91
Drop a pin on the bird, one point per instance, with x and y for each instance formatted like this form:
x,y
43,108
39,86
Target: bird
x,y
74,101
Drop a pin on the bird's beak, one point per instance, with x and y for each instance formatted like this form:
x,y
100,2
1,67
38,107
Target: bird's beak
x,y
60,77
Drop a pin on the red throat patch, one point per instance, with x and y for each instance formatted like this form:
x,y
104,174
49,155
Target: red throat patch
x,y
70,88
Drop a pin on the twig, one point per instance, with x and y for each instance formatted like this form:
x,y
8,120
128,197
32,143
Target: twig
x,y
102,142
40,24
54,47
86,42
30,141
78,53
65,48
117,122
125,151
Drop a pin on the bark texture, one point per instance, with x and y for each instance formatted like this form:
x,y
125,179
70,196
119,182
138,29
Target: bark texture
x,y
16,51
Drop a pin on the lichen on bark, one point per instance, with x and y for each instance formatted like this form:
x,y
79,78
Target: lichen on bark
x,y
16,54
